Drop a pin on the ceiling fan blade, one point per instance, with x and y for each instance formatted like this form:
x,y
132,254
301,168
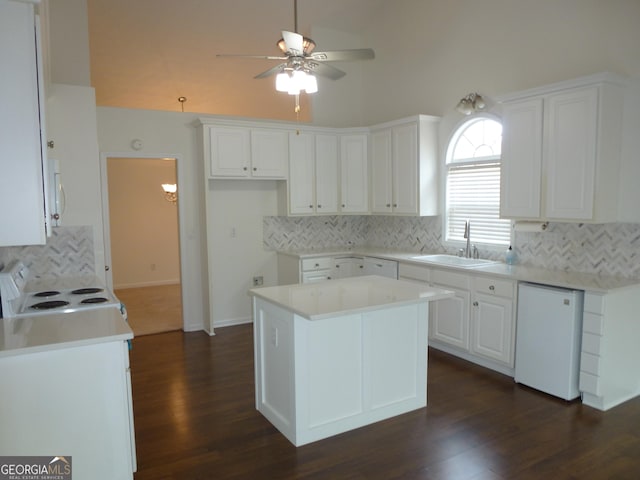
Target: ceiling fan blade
x,y
261,57
271,71
294,42
343,55
324,70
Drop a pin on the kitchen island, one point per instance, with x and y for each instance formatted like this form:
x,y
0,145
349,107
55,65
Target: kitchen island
x,y
337,355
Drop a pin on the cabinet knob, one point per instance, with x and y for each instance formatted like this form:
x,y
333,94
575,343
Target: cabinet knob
x,y
310,206
492,288
475,304
343,205
317,264
388,205
337,266
254,169
319,206
395,205
244,168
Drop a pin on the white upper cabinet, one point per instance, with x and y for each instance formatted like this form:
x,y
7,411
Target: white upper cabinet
x,y
521,159
230,151
313,174
354,174
326,174
404,167
22,142
564,151
269,153
246,152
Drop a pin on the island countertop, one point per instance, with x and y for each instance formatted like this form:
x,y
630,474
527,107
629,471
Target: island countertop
x,y
316,301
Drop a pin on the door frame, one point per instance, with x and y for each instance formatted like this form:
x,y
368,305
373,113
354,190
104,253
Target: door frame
x,y
182,232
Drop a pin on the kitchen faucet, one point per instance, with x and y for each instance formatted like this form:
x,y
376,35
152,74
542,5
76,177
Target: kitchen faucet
x,y
467,235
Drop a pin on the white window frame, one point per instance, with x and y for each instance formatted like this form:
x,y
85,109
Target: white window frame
x,y
456,134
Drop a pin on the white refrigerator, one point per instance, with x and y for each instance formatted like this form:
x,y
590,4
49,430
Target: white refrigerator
x,y
548,339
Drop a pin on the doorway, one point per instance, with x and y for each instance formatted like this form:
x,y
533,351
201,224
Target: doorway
x,y
142,244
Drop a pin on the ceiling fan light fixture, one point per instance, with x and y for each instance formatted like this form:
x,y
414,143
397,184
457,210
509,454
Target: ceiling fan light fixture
x,y
282,82
311,84
308,45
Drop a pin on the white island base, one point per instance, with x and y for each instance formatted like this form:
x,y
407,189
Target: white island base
x,y
321,372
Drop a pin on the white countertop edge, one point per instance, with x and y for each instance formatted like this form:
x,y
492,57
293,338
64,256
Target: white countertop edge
x,y
275,295
48,347
40,333
558,278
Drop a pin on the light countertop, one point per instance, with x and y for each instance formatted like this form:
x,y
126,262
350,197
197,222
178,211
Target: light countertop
x,y
39,333
316,301
523,273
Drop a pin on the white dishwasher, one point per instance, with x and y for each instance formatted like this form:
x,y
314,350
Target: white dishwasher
x,y
548,339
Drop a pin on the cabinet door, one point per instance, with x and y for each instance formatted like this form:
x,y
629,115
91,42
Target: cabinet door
x,y
21,158
405,169
326,174
301,174
571,122
354,174
381,172
492,328
269,153
449,319
521,169
230,149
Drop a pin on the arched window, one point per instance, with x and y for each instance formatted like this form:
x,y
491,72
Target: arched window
x,y
473,183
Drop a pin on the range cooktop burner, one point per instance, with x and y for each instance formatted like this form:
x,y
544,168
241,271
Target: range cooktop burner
x,y
85,291
49,304
95,300
47,293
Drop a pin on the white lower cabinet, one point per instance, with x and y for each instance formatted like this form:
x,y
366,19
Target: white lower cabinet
x,y
478,323
73,401
316,269
344,267
450,317
493,319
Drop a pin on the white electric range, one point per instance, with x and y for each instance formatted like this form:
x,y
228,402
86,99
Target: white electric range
x,y
21,296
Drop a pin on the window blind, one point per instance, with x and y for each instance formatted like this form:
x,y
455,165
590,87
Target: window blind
x,y
473,193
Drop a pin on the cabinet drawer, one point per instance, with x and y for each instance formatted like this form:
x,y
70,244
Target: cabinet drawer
x,y
589,383
414,272
592,323
590,363
311,264
494,286
450,279
594,303
591,343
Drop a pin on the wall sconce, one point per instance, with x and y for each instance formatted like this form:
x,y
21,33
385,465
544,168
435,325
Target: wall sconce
x,y
472,103
170,192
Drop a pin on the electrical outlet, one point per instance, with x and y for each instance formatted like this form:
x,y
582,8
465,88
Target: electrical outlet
x,y
258,281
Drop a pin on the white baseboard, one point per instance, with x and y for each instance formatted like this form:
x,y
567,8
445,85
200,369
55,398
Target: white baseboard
x,y
231,322
158,283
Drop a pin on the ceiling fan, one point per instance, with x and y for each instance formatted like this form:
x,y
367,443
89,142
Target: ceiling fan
x,y
300,63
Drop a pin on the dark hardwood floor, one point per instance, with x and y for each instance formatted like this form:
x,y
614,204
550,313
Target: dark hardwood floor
x,y
195,418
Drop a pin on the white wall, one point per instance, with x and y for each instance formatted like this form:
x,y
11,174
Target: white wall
x,y
143,224
169,134
71,124
431,53
237,208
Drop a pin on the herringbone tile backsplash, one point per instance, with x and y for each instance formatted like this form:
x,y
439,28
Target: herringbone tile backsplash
x,y
68,252
607,249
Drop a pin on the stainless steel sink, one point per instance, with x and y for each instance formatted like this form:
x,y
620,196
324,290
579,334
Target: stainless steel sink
x,y
453,261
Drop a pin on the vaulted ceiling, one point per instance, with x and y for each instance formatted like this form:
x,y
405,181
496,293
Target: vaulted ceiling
x,y
147,53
